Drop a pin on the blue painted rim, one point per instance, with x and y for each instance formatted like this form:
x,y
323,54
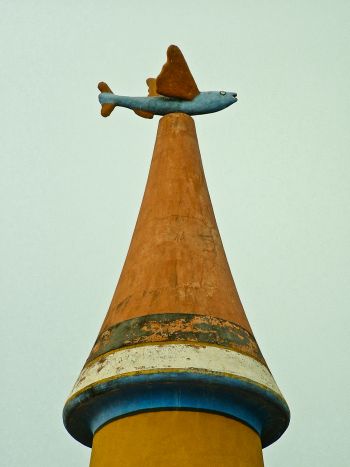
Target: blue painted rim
x,y
259,408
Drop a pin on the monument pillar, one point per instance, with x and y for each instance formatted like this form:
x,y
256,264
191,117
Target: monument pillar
x,y
176,376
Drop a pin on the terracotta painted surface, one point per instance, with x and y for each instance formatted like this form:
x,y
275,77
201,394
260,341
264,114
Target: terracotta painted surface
x,y
176,438
176,262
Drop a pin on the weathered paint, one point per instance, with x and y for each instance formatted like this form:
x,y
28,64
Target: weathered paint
x,y
176,327
174,357
174,439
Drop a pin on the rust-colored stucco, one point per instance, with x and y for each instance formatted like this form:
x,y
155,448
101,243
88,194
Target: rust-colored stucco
x,y
176,262
174,439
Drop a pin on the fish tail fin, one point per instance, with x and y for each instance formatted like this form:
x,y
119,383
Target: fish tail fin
x,y
106,109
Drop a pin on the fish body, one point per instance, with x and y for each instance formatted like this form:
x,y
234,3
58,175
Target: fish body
x,y
203,103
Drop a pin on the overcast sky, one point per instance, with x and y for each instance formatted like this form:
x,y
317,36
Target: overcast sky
x,y
277,166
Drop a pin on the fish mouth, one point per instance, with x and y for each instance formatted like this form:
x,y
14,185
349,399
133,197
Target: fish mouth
x,y
234,94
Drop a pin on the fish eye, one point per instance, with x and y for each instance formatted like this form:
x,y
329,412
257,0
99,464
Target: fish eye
x,y
222,93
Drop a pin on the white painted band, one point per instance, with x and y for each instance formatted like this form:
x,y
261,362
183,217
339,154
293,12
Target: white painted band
x,y
175,357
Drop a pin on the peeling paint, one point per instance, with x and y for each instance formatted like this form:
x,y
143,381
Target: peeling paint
x,y
176,327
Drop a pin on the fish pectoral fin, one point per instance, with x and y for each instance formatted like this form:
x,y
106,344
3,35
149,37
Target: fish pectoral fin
x,y
175,78
143,113
152,87
106,109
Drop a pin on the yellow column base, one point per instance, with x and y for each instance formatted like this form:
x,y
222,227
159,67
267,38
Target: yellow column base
x,y
176,439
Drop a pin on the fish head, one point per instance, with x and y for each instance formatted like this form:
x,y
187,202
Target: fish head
x,y
229,97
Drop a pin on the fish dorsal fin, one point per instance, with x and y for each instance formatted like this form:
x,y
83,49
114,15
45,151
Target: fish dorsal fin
x,y
152,87
152,92
175,79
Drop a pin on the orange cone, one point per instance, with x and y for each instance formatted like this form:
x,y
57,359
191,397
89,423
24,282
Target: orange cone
x,y
176,336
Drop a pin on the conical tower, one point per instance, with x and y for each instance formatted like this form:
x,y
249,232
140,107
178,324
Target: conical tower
x,y
175,376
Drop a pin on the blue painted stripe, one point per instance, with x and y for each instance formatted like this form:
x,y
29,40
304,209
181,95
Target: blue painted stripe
x,y
261,409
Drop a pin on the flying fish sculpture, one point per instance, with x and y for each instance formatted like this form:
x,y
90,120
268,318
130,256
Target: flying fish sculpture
x,y
174,90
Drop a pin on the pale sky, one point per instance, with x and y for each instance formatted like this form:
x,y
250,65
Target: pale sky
x,y
277,166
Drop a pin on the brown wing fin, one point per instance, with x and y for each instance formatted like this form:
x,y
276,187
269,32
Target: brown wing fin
x,y
175,79
143,113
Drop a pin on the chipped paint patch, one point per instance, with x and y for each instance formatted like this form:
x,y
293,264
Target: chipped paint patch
x,y
177,327
175,357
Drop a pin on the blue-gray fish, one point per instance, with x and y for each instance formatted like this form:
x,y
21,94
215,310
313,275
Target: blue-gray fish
x,y
203,103
174,90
